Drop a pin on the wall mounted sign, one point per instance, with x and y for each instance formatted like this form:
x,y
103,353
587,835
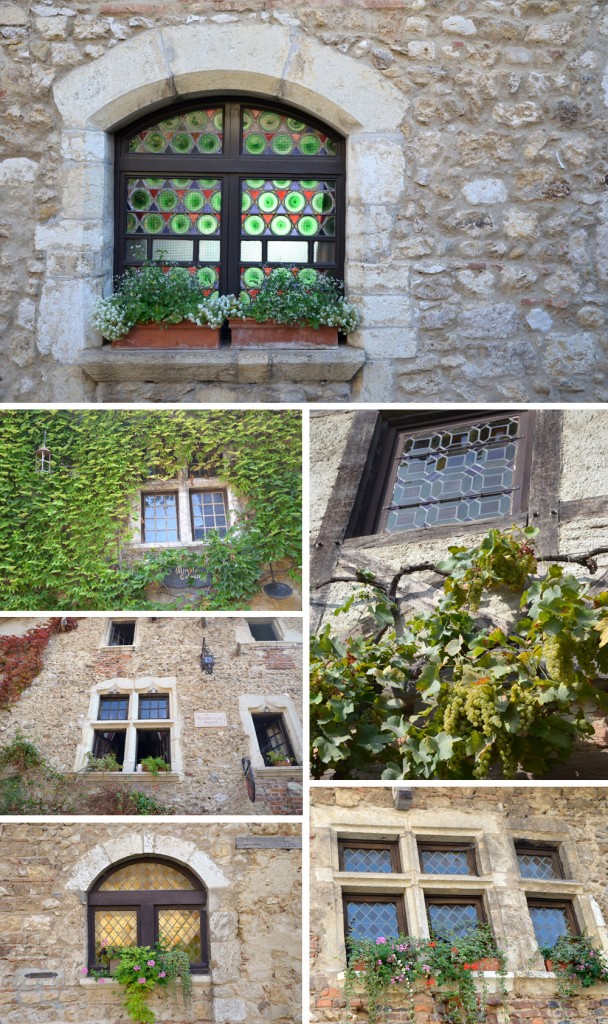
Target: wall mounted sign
x,y
209,719
183,577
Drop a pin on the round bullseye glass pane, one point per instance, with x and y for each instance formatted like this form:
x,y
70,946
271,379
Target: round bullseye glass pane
x,y
308,226
295,202
254,225
207,224
180,224
153,223
253,277
268,202
280,225
255,144
194,202
167,201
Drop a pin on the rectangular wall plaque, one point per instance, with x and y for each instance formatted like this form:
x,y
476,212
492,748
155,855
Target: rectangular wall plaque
x,y
209,719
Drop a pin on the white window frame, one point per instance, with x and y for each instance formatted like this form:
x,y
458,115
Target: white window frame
x,y
107,633
182,484
133,688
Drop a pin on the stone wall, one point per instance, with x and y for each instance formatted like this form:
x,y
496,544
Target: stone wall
x,y
572,818
251,873
207,774
477,212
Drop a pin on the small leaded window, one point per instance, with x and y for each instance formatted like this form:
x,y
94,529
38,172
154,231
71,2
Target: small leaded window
x,y
453,915
208,513
160,902
231,189
447,858
367,855
455,473
159,518
122,634
552,919
540,862
369,917
113,708
154,706
272,738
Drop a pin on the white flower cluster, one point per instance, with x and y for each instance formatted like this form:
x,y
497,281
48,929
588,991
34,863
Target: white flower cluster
x,y
110,319
213,311
346,317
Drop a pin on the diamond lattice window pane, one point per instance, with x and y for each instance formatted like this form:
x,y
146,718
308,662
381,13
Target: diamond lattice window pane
x,y
369,920
550,923
115,928
445,862
452,918
536,865
181,929
145,875
367,860
454,476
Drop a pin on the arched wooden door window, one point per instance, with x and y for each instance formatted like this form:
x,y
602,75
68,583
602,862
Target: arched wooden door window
x,y
230,189
143,901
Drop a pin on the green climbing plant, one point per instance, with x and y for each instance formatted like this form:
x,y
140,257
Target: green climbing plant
x,y
63,534
445,694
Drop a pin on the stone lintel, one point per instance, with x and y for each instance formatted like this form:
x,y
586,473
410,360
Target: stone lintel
x,y
260,366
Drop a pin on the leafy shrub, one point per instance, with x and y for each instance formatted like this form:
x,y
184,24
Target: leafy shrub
x,y
108,763
155,765
285,298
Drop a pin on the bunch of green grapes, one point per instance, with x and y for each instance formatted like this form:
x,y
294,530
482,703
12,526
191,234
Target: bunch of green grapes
x,y
471,706
559,652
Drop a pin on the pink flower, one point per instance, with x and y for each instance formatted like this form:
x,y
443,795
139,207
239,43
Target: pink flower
x,y
105,942
162,974
101,981
150,963
142,981
380,941
84,970
136,967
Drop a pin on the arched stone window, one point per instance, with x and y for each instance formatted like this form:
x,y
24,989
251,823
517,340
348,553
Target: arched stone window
x,y
144,900
230,188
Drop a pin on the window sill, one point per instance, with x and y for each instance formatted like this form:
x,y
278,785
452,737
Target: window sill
x,y
274,771
90,983
162,777
399,538
233,366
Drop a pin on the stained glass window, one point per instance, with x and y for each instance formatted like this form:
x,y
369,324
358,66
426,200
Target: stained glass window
x,y
185,179
369,918
538,862
164,902
552,920
451,475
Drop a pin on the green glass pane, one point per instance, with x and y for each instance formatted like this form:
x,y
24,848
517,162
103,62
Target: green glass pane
x,y
295,202
209,182
195,120
281,182
331,147
310,145
245,298
218,120
268,202
131,223
270,121
170,124
253,277
207,277
322,202
180,224
245,201
254,182
140,199
247,119
179,182
158,182
167,201
282,144
155,142
182,143
255,144
295,126
308,226
254,225
207,224
329,227
209,143
194,201
216,201
153,223
308,185
281,225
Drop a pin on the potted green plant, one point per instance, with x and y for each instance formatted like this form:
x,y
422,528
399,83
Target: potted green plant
x,y
155,765
379,965
576,963
140,970
161,306
305,309
107,763
278,759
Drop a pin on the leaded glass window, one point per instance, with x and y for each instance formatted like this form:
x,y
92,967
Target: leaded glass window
x,y
231,190
453,915
369,917
455,473
540,862
367,855
447,859
551,920
160,901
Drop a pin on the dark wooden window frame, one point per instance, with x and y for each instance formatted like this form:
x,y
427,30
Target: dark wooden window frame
x,y
107,698
202,490
438,846
369,514
538,849
118,623
153,696
147,903
259,718
139,729
372,897
557,903
230,166
157,494
435,899
97,735
392,845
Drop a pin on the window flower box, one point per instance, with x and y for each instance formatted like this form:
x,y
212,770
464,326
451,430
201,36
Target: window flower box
x,y
247,333
170,336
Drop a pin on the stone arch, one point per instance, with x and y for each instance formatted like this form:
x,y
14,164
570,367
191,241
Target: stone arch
x,y
160,65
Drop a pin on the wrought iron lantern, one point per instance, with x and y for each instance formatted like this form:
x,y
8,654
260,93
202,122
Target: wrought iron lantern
x,y
43,458
207,659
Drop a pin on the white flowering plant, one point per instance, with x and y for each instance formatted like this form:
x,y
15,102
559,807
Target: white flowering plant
x,y
213,311
285,298
155,293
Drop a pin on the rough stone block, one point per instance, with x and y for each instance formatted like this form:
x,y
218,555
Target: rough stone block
x,y
492,322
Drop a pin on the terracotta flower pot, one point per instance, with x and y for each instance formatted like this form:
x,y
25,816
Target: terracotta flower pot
x,y
245,333
358,965
489,963
182,335
550,965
